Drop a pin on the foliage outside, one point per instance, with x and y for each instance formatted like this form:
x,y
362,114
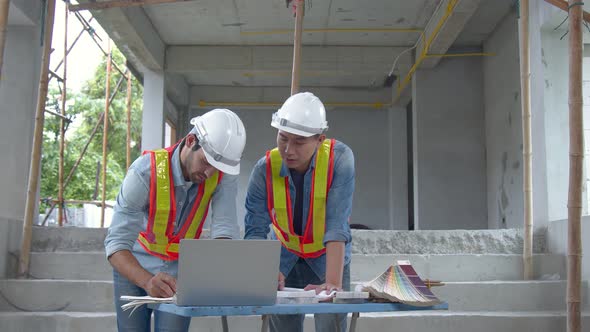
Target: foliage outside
x,y
84,109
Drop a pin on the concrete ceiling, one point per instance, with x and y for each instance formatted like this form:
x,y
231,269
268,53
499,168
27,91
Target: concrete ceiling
x,y
231,22
237,42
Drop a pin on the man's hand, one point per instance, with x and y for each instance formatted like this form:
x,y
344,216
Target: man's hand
x,y
328,287
281,281
161,285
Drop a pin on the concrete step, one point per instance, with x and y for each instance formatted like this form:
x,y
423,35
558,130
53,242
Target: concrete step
x,y
422,321
70,265
56,295
460,267
535,295
504,241
506,295
498,241
97,296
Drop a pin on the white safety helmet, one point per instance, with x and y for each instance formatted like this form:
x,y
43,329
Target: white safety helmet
x,y
302,114
222,136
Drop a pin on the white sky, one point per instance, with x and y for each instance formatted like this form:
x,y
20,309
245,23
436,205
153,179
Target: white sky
x,y
85,55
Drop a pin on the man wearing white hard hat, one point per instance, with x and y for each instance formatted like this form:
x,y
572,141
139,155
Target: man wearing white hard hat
x,y
303,190
165,197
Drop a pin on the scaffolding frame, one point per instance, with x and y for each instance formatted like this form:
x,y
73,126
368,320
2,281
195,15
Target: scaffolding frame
x,y
45,77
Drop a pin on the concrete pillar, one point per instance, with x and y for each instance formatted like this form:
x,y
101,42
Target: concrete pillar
x,y
503,121
154,99
449,146
18,96
398,175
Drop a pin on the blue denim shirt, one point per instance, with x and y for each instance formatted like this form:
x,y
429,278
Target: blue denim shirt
x,y
132,207
338,209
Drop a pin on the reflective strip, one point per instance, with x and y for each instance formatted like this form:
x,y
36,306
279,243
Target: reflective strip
x,y
276,119
320,194
210,185
163,202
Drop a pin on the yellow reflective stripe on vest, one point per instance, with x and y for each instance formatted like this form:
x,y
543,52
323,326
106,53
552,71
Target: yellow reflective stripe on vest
x,y
320,193
279,191
210,185
163,203
159,248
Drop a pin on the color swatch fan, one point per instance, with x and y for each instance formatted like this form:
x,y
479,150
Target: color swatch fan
x,y
401,283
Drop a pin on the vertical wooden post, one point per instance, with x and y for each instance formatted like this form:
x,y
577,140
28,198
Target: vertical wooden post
x,y
299,12
4,5
33,185
128,119
105,131
574,248
525,84
62,125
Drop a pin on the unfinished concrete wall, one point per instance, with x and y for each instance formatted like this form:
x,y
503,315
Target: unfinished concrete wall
x,y
18,92
10,242
449,146
503,126
366,131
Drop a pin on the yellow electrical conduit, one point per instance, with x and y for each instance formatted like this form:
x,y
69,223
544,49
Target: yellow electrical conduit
x,y
284,32
424,54
203,103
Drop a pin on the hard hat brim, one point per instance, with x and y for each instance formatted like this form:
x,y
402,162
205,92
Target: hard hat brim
x,y
232,170
292,131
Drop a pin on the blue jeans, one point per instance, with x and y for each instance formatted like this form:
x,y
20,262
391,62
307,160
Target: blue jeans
x,y
300,276
141,319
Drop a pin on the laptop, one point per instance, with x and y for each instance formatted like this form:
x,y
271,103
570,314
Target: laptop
x,y
227,272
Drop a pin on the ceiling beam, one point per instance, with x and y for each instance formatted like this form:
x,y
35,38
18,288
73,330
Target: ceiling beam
x,y
134,34
182,59
116,4
444,27
273,97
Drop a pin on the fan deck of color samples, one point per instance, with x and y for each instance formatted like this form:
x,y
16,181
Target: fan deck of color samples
x,y
401,283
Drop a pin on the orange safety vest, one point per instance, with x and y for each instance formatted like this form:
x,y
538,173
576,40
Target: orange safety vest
x,y
311,243
159,239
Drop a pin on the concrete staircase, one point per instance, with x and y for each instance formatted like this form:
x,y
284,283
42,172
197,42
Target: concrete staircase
x,y
70,287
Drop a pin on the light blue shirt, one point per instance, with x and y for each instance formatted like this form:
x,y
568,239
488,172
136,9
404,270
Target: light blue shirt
x,y
132,207
338,207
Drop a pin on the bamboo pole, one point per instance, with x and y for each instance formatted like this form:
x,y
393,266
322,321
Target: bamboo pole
x,y
95,202
4,5
574,248
58,115
105,130
128,141
62,125
527,154
299,12
117,4
33,185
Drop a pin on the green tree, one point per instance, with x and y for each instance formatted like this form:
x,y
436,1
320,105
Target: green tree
x,y
84,109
